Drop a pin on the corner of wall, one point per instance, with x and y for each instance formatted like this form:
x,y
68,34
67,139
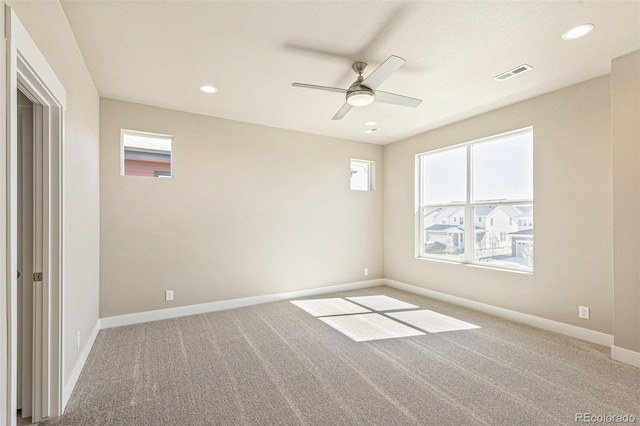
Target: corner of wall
x,y
77,369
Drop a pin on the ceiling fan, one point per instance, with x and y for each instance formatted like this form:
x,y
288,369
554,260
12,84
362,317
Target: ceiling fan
x,y
362,92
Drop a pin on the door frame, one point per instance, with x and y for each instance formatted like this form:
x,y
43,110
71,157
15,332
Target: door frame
x,y
28,70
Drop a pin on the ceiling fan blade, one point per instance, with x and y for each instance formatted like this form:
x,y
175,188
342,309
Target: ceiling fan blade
x,y
342,112
392,98
380,74
313,86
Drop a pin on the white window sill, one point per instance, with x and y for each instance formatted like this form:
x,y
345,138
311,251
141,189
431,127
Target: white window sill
x,y
476,265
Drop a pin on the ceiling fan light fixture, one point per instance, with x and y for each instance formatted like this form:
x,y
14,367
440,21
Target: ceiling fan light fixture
x,y
359,98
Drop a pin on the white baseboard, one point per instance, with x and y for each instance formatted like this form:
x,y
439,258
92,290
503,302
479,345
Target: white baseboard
x,y
160,314
625,355
77,369
532,320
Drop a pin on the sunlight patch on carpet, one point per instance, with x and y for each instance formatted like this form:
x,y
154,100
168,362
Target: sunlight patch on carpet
x,y
433,322
366,327
325,307
381,303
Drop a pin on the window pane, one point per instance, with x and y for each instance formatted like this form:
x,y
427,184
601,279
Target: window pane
x,y
503,168
504,235
146,155
443,231
361,175
444,176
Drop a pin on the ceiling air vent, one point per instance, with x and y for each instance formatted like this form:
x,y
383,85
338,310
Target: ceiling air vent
x,y
517,70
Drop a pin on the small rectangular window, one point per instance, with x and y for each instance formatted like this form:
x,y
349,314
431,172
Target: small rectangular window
x,y
362,175
145,154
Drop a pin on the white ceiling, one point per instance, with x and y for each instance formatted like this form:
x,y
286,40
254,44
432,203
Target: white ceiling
x,y
159,53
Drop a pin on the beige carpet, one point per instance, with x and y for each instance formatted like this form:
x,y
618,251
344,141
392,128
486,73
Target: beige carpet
x,y
276,364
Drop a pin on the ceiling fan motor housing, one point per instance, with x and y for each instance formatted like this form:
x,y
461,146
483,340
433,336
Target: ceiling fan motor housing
x,y
357,94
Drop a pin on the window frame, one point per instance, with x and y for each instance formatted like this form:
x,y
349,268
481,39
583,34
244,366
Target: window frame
x,y
468,257
372,174
124,132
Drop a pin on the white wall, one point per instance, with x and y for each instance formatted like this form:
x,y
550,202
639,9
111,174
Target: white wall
x,y
48,27
573,209
4,324
250,210
625,92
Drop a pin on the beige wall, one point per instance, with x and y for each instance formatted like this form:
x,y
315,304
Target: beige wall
x,y
573,209
251,210
625,98
48,27
4,324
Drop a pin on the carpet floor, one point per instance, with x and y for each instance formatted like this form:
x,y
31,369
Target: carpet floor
x,y
276,364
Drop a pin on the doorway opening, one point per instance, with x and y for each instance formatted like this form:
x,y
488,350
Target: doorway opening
x,y
28,74
25,258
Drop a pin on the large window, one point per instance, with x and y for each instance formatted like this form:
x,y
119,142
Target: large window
x,y
476,202
145,154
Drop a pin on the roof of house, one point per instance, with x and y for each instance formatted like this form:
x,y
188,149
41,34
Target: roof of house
x,y
435,211
149,143
523,232
510,210
525,210
450,211
442,227
484,210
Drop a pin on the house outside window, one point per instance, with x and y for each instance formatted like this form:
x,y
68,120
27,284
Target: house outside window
x,y
489,182
145,154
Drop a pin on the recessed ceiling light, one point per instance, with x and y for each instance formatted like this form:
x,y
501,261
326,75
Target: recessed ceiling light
x,y
369,131
208,89
370,123
578,32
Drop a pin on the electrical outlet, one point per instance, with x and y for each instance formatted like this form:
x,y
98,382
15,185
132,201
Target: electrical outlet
x,y
78,340
168,295
366,271
583,312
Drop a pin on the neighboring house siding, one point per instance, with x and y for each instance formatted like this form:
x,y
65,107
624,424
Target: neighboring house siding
x,y
497,226
145,168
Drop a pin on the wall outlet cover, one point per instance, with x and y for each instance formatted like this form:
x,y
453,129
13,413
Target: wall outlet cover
x,y
583,312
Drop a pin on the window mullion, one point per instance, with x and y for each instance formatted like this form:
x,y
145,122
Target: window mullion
x,y
469,226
